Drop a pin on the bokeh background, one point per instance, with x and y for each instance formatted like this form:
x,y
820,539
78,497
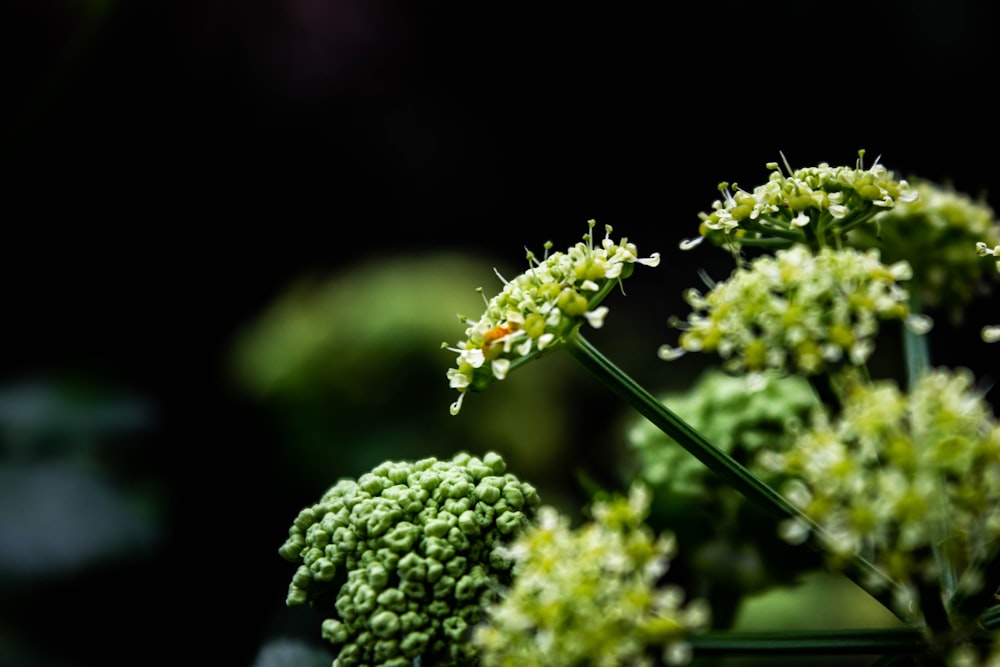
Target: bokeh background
x,y
235,235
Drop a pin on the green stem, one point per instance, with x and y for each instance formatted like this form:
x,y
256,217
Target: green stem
x,y
888,641
917,356
915,347
862,572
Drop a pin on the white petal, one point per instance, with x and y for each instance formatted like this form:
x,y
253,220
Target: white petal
x,y
596,317
668,353
652,260
500,368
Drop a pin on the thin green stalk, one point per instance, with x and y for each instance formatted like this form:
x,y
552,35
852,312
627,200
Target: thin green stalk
x,y
862,572
888,641
917,356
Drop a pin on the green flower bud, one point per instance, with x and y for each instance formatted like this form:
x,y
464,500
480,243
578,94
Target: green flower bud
x,y
408,537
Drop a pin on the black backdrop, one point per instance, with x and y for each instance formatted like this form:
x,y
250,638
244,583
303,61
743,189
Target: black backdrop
x,y
167,166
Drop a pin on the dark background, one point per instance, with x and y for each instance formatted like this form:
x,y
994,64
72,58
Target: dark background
x,y
168,167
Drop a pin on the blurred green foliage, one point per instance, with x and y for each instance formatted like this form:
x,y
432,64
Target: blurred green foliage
x,y
351,368
729,547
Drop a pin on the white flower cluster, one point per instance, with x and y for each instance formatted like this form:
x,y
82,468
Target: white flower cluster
x,y
796,311
590,596
828,200
538,309
898,475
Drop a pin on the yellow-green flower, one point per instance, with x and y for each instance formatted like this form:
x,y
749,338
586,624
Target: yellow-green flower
x,y
590,596
538,309
797,312
899,474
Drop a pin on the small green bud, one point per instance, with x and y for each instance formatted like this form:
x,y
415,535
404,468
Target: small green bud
x,y
469,586
410,621
323,570
392,599
434,570
334,631
512,494
372,484
444,587
296,596
292,548
487,492
572,303
455,628
438,549
414,644
385,624
456,566
413,589
378,576
468,523
508,522
305,519
402,537
412,567
436,528
439,608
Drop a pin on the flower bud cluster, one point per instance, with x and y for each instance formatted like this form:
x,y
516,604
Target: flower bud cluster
x,y
815,204
897,475
410,551
934,234
797,312
538,309
590,596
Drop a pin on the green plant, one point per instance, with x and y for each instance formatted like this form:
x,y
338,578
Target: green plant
x,y
890,481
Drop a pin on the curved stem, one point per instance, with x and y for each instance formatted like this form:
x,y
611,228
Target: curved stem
x,y
865,574
889,641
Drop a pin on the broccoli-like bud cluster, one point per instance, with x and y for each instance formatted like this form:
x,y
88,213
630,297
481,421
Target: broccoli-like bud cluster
x,y
410,550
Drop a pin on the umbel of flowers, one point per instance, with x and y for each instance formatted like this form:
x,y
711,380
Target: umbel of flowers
x,y
816,206
934,234
910,479
591,595
536,311
797,312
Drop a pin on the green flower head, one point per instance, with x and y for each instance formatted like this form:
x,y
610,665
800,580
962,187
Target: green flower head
x,y
797,312
540,308
408,553
815,205
590,596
